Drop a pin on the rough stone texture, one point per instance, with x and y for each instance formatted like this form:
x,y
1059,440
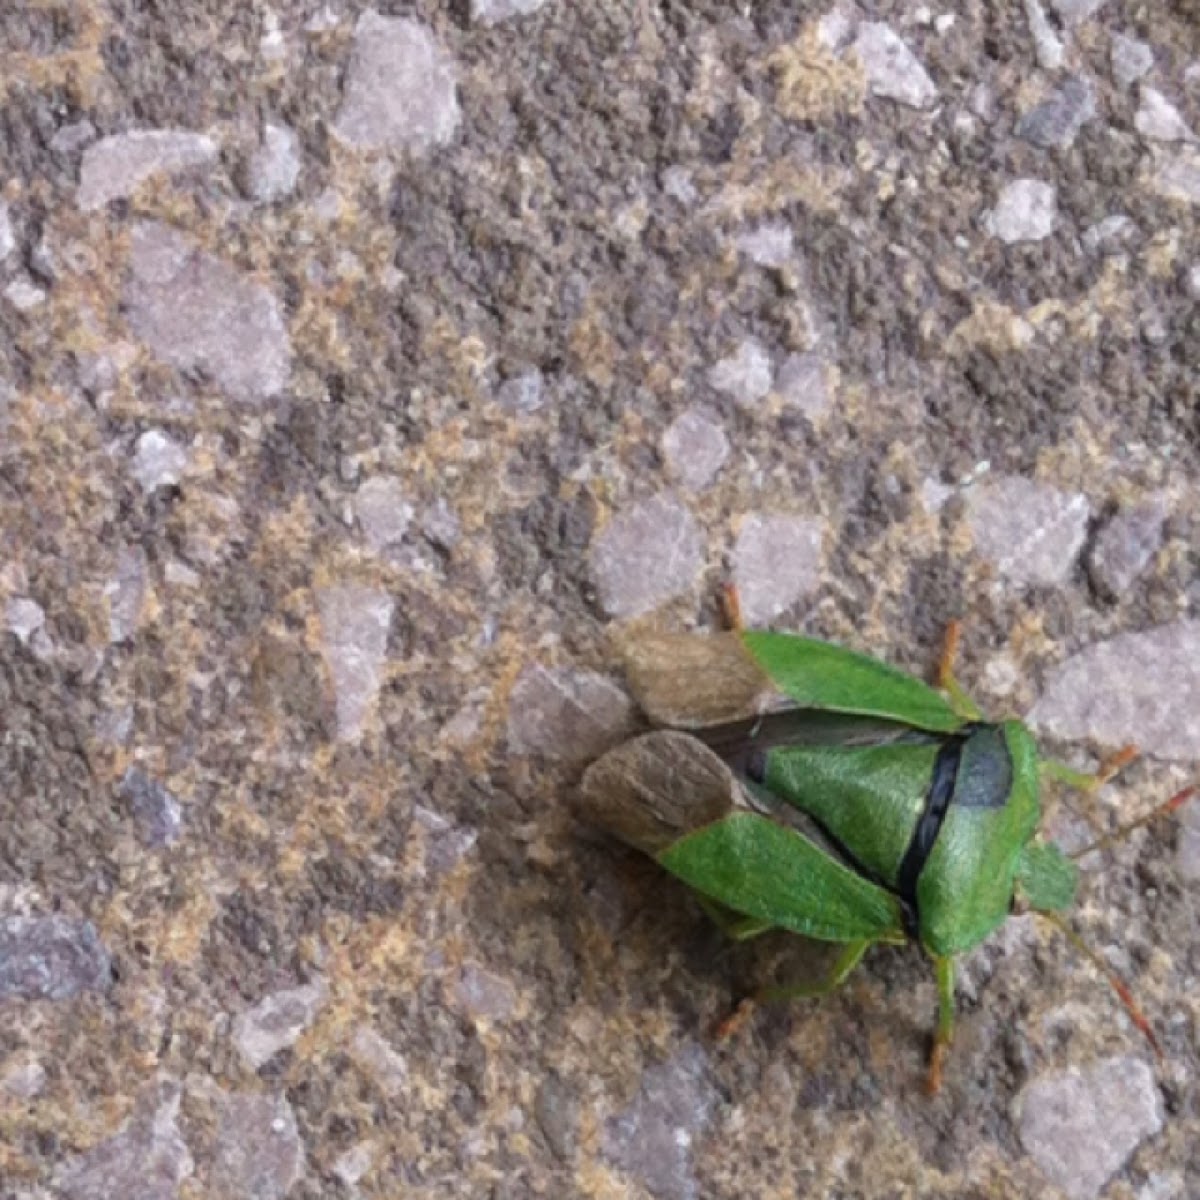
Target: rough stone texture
x,y
259,1152
354,634
645,555
1074,12
196,313
1138,687
695,448
400,91
511,324
483,994
1081,1126
147,1160
114,167
276,1021
776,560
1031,532
1177,177
1025,211
158,814
1126,544
651,1140
1188,850
567,715
381,1061
126,593
355,1163
803,384
1056,122
51,958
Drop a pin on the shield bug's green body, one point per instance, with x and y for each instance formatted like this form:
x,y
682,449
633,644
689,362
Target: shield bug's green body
x,y
801,786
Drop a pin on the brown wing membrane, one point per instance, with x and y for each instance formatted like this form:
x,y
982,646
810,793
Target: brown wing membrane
x,y
739,741
653,789
689,681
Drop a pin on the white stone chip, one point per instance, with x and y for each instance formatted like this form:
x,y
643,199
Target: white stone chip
x,y
893,71
1158,119
1177,176
1026,211
277,1021
1082,1125
8,238
114,167
23,617
1030,531
400,91
645,555
158,461
776,560
1130,59
489,12
768,245
695,448
1073,12
197,312
745,375
383,511
274,167
354,632
1048,46
1137,687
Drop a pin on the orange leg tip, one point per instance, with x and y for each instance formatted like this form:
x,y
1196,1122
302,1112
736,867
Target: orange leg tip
x,y
731,603
950,640
735,1022
1114,764
933,1081
1177,801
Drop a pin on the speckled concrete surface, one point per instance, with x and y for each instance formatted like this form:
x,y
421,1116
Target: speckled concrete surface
x,y
362,369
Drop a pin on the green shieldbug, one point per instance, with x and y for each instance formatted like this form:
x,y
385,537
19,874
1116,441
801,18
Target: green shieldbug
x,y
797,785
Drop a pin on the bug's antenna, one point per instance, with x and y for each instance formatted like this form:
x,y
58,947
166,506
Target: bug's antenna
x,y
1118,985
1161,810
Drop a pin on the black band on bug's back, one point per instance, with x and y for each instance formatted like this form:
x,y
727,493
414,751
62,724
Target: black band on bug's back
x,y
929,825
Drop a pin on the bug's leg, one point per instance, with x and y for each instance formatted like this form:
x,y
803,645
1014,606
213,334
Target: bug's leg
x,y
845,962
732,925
1164,809
731,607
959,700
1089,781
945,1025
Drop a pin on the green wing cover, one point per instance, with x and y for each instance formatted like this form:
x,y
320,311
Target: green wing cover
x,y
760,869
821,675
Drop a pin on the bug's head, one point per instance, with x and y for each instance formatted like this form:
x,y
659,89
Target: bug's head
x,y
1047,880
